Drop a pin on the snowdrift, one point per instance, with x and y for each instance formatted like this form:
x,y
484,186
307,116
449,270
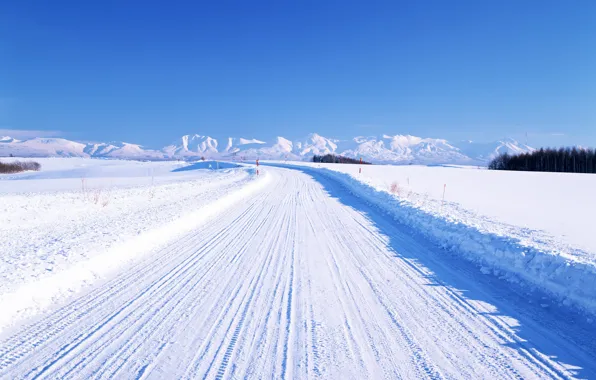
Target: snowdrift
x,y
573,283
83,220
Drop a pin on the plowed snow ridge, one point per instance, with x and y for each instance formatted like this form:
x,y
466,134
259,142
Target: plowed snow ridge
x,y
567,274
301,280
74,243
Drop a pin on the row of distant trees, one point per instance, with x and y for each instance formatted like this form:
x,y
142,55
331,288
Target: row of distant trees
x,y
334,159
569,160
17,167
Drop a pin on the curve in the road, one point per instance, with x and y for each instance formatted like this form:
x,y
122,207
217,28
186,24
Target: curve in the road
x,y
303,280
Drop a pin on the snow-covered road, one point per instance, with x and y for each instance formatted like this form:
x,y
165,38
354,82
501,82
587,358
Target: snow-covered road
x,y
303,280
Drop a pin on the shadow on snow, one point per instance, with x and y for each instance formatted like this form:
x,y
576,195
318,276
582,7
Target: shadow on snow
x,y
556,332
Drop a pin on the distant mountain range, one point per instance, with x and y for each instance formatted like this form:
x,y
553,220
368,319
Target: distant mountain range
x,y
400,149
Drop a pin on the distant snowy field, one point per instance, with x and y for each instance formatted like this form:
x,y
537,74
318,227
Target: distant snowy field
x,y
79,219
558,204
536,228
60,174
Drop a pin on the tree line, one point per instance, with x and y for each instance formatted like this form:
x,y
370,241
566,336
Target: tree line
x,y
17,167
568,160
334,159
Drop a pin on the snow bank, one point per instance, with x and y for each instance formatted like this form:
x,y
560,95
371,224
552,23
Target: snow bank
x,y
563,271
53,243
559,205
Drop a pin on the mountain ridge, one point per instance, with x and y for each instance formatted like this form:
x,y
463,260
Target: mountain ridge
x,y
400,149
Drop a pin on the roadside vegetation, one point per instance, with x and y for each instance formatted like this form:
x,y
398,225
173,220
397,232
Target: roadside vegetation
x,y
566,160
18,167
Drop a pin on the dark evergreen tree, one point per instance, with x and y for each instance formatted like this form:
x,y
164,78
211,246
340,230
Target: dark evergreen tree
x,y
334,159
569,160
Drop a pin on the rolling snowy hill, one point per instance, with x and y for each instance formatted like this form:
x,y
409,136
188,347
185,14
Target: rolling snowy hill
x,y
57,147
401,149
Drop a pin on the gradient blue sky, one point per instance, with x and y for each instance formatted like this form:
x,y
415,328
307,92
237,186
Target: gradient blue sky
x,y
148,71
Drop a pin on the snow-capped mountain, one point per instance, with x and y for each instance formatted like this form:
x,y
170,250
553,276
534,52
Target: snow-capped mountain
x,y
7,139
57,147
42,147
125,150
192,145
120,150
236,145
380,149
314,144
280,148
404,148
486,151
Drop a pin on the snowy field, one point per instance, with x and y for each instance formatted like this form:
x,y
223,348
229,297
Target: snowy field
x,y
62,174
532,228
119,269
560,205
79,219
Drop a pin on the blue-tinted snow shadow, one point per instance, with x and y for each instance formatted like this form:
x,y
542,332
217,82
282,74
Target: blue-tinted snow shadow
x,y
555,331
210,165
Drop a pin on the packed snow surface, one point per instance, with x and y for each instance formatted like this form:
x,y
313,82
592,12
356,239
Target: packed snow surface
x,y
302,275
72,222
487,217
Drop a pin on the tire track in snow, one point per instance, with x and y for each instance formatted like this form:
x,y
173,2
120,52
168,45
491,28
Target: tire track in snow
x,y
231,296
333,269
273,297
259,279
220,239
419,359
156,304
289,301
81,307
150,267
300,281
502,360
195,370
501,332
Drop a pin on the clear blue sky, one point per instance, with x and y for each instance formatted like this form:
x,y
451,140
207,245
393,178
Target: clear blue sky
x,y
148,71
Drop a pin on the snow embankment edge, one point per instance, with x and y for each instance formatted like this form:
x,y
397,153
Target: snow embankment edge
x,y
31,298
572,283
